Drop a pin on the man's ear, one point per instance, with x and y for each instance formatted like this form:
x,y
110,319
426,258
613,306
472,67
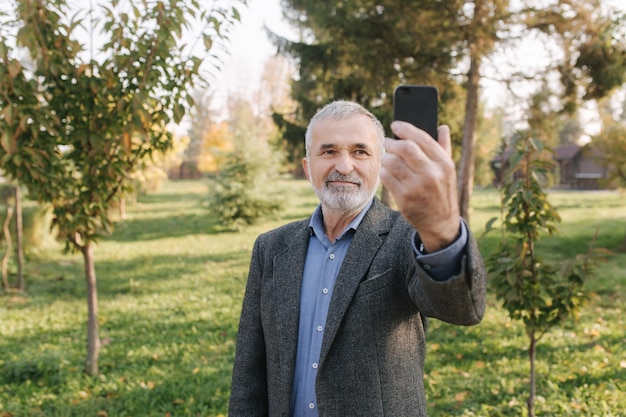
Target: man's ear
x,y
305,166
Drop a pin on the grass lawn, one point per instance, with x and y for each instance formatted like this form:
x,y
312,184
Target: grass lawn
x,y
171,283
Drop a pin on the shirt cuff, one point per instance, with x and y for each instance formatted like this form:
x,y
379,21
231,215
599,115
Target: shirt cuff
x,y
446,262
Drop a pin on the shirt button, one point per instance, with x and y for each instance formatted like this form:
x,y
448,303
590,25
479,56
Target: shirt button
x,y
325,290
320,328
427,267
332,256
311,406
314,366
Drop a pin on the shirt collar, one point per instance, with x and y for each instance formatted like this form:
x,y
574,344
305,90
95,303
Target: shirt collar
x,y
316,224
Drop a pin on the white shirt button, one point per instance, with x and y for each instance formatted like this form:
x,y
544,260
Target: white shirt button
x,y
311,406
325,290
320,328
332,256
314,366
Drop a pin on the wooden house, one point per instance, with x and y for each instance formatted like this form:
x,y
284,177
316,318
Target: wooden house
x,y
577,167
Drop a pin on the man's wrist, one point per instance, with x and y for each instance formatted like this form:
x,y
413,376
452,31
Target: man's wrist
x,y
430,243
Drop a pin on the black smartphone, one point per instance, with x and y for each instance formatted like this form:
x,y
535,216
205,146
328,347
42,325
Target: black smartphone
x,y
418,105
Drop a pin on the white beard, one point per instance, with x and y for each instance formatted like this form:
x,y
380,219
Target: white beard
x,y
344,198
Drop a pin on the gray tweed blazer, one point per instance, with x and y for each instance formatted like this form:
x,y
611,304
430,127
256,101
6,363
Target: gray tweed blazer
x,y
374,346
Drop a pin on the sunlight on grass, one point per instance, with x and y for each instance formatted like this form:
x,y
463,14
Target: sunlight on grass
x,y
170,289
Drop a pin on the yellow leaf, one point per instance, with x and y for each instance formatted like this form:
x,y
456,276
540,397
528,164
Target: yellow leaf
x,y
195,371
126,141
178,401
14,68
460,396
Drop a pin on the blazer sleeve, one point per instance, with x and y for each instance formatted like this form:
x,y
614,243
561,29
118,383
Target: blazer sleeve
x,y
249,382
461,298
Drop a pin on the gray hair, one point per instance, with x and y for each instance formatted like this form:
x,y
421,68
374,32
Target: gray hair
x,y
341,110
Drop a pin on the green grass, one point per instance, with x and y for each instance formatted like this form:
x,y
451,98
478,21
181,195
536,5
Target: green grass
x,y
171,283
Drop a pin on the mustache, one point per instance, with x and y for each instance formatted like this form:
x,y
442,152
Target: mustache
x,y
336,176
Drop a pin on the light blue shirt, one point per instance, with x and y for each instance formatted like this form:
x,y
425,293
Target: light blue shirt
x,y
321,268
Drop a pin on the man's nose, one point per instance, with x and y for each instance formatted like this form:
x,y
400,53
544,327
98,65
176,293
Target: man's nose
x,y
344,164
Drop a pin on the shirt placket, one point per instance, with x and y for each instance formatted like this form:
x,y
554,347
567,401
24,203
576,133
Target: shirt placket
x,y
323,295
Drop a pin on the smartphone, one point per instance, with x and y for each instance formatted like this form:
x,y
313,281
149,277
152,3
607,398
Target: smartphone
x,y
418,105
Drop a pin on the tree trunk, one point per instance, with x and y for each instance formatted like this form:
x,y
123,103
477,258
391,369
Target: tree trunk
x,y
7,255
123,208
19,238
466,170
531,354
93,337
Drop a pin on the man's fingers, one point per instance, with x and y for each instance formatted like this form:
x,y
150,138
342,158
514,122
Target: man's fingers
x,y
434,149
443,137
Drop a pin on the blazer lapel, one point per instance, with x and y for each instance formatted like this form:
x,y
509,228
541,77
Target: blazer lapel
x,y
363,248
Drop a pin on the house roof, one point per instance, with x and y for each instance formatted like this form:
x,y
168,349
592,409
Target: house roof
x,y
561,153
566,152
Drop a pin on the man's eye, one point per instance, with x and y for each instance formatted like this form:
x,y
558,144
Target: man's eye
x,y
361,152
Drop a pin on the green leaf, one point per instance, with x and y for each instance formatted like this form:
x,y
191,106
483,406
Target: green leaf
x,y
537,144
208,42
489,226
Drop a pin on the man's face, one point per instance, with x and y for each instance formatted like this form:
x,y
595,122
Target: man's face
x,y
344,162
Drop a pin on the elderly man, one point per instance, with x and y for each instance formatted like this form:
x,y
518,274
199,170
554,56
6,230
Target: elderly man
x,y
334,315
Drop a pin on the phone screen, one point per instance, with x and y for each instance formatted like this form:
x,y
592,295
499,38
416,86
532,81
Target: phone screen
x,y
418,105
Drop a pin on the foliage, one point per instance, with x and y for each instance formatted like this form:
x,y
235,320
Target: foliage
x,y
612,143
172,286
234,198
216,142
530,289
354,50
74,126
490,133
548,122
36,225
361,49
602,57
152,171
73,130
244,190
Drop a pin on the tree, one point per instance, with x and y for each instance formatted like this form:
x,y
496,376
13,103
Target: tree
x,y
611,141
11,195
360,49
354,50
200,119
611,144
530,289
577,27
243,190
76,124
